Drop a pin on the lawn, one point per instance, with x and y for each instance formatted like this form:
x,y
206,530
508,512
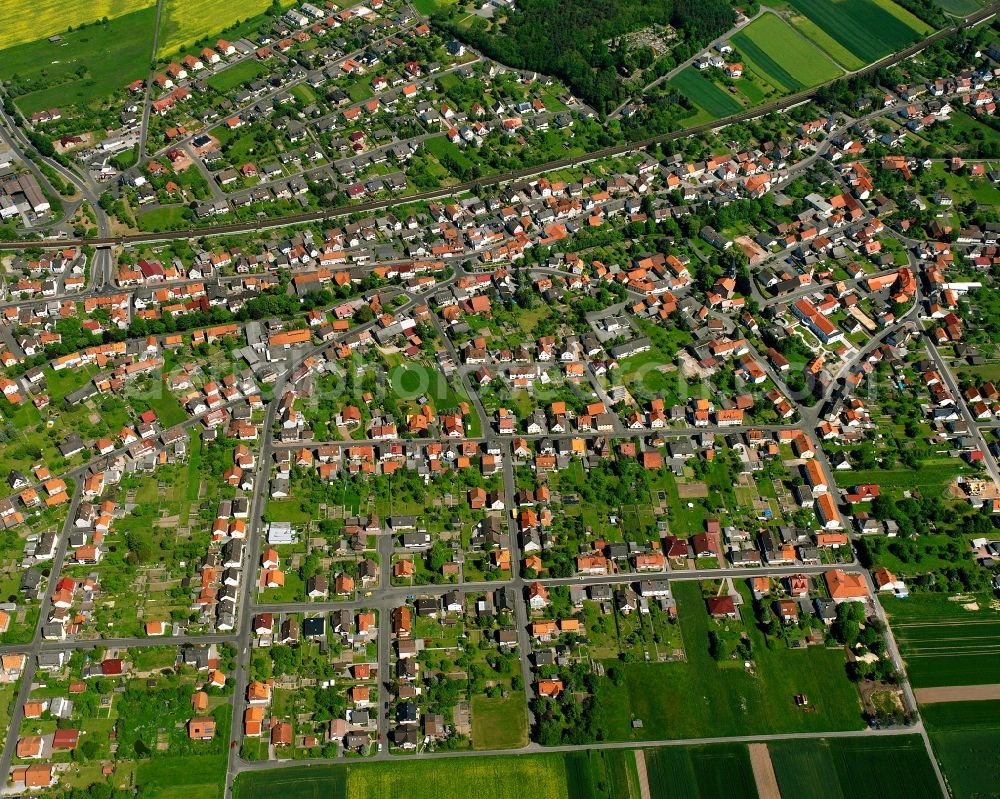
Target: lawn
x,y
945,644
653,373
782,56
194,777
428,7
487,778
109,56
413,381
165,405
243,72
930,475
500,723
66,381
7,694
184,23
705,94
870,29
702,697
165,217
292,510
892,767
450,155
26,22
701,772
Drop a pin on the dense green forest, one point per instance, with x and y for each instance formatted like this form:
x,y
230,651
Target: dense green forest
x,y
575,40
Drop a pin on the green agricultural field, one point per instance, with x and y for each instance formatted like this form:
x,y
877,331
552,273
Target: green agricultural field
x,y
705,94
701,772
943,642
826,42
184,23
87,65
961,716
965,737
970,761
26,22
782,56
602,774
870,29
489,778
894,767
500,723
805,768
702,697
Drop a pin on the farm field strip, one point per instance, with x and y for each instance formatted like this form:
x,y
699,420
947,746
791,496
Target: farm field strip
x,y
958,693
703,93
826,42
781,55
28,22
946,642
701,772
893,768
496,778
183,23
868,28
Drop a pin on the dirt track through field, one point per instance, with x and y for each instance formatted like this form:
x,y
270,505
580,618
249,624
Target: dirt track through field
x,y
957,693
640,767
763,772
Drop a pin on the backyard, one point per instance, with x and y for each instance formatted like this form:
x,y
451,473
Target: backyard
x,y
703,697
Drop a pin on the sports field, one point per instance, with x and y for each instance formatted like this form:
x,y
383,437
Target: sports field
x,y
705,94
782,56
894,767
109,56
870,29
25,21
945,642
700,772
184,23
